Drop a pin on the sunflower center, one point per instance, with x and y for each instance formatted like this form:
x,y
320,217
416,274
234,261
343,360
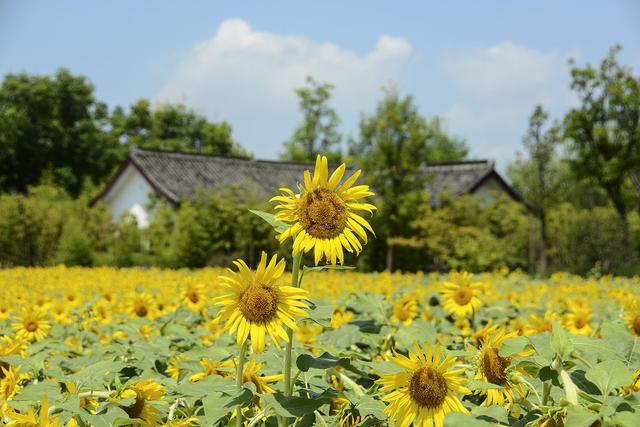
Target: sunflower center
x,y
636,324
428,387
31,326
259,303
142,311
580,323
193,297
323,214
135,410
462,296
495,366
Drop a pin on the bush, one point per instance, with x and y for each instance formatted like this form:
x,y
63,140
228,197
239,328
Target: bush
x,y
75,247
470,233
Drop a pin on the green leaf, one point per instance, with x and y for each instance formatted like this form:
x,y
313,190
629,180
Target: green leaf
x,y
367,405
214,408
494,414
482,385
458,419
293,406
609,375
514,345
321,314
561,341
304,362
626,419
278,226
578,416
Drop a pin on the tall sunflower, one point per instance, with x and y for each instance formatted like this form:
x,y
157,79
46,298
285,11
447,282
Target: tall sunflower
x,y
424,392
495,369
32,324
461,295
256,305
323,216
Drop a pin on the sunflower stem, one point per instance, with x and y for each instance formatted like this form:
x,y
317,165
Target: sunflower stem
x,y
295,282
239,374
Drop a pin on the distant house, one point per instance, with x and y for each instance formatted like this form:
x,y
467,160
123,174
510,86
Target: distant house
x,y
175,177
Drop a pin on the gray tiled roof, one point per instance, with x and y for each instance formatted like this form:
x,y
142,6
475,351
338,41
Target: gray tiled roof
x,y
179,175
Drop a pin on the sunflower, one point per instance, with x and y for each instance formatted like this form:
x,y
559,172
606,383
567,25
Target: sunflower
x,y
141,306
30,419
257,305
577,321
495,369
424,392
173,368
10,382
251,373
323,216
405,310
632,317
340,317
461,295
539,324
143,392
193,297
31,325
307,333
213,331
223,369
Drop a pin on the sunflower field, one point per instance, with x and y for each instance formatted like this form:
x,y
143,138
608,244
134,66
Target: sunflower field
x,y
307,341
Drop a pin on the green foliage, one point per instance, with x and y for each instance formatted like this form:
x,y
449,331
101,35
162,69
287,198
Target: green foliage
x,y
605,142
318,133
52,127
469,232
171,127
584,239
392,148
74,247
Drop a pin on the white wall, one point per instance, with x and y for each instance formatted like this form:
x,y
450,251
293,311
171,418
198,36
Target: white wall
x,y
130,193
488,187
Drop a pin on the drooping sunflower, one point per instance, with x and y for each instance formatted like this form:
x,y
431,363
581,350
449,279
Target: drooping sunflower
x,y
461,295
210,367
32,324
257,305
251,373
425,392
143,392
324,217
495,369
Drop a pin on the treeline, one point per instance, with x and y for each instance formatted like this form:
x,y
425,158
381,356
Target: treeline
x,y
579,175
48,227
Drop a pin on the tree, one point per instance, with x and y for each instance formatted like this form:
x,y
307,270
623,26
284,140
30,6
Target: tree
x,y
53,127
318,132
605,132
536,177
172,127
394,144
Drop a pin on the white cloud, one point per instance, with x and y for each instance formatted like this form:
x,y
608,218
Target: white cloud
x,y
498,89
248,77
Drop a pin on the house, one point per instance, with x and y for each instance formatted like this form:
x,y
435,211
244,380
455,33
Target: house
x,y
175,177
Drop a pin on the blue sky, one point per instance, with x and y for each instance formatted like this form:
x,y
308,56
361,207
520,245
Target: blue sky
x,y
482,66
